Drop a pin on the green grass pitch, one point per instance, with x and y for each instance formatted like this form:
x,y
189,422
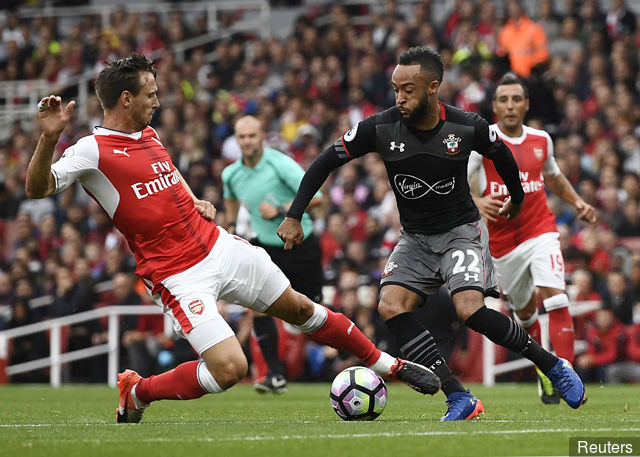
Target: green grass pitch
x,y
80,421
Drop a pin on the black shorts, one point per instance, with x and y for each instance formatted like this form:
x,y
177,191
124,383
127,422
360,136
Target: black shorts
x,y
302,265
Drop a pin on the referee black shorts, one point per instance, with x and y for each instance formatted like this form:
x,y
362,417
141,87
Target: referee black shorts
x,y
302,265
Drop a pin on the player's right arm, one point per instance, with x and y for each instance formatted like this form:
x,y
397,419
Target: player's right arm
x,y
355,143
53,119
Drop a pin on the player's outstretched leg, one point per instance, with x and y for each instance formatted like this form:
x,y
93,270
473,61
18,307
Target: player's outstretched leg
x,y
336,330
339,332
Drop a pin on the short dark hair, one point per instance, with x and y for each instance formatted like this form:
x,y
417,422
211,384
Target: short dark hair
x,y
428,58
508,79
120,75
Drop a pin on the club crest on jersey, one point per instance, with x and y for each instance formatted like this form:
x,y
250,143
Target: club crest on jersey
x,y
196,307
452,142
539,153
388,269
393,146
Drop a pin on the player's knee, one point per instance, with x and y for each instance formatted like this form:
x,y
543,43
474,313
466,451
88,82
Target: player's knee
x,y
300,309
467,308
230,372
389,308
305,309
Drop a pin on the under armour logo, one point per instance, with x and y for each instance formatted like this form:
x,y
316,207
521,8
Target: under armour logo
x,y
393,146
468,276
121,151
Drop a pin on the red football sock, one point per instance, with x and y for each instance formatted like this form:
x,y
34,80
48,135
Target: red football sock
x,y
181,383
339,332
534,331
561,332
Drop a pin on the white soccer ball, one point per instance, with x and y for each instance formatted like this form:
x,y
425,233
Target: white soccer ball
x,y
358,393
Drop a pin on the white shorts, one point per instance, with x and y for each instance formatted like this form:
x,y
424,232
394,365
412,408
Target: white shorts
x,y
235,271
536,262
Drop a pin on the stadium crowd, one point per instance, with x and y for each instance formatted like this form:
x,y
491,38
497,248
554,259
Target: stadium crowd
x,y
307,89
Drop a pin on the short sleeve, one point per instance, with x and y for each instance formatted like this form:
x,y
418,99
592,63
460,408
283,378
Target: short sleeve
x,y
360,139
75,162
486,138
227,191
550,166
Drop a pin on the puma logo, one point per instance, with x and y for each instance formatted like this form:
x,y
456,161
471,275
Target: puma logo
x,y
121,151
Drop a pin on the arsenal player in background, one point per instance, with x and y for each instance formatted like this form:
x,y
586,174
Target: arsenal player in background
x,y
526,250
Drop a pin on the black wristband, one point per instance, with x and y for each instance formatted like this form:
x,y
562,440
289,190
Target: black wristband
x,y
281,211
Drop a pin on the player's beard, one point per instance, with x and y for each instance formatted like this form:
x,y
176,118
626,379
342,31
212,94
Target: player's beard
x,y
420,112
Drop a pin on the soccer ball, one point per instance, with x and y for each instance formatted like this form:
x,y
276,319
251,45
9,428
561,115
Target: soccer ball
x,y
358,394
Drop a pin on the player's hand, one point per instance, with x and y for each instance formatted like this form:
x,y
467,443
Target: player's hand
x,y
586,212
509,209
205,208
489,207
268,211
290,231
53,119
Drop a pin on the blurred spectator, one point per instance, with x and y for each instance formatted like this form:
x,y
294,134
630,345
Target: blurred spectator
x,y
522,40
618,298
620,21
27,347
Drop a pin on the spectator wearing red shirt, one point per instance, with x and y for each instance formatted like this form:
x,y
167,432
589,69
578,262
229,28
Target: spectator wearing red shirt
x,y
355,217
605,345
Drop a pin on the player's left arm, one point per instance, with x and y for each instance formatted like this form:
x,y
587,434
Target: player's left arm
x,y
560,185
205,208
488,143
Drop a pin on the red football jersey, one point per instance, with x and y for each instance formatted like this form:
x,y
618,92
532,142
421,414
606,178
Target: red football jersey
x,y
533,152
133,178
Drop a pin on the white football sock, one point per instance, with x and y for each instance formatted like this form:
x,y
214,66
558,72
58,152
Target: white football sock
x,y
384,364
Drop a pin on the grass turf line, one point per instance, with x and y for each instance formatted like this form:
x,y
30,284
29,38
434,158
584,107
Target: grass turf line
x,y
80,421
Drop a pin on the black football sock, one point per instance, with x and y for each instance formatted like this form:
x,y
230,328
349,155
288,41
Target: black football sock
x,y
417,345
504,331
266,333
